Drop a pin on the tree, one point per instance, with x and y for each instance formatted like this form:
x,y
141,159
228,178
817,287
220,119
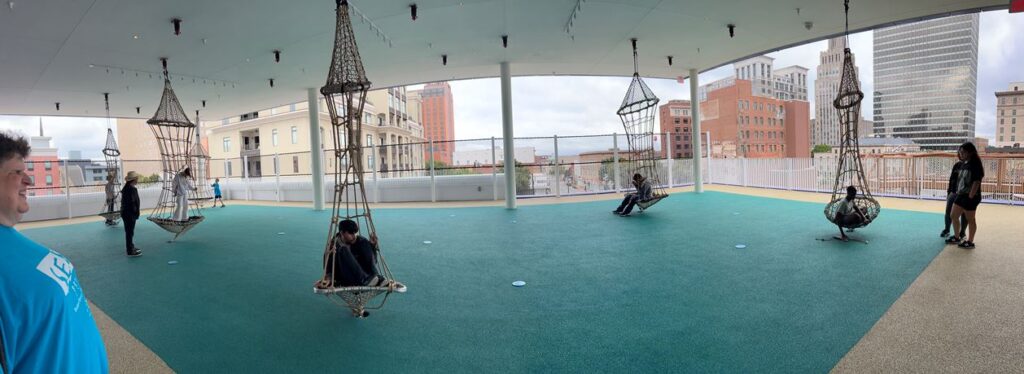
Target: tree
x,y
822,148
607,171
440,167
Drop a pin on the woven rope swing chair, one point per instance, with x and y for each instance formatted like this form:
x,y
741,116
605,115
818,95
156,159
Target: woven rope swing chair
x,y
345,94
849,169
637,115
174,133
111,211
201,160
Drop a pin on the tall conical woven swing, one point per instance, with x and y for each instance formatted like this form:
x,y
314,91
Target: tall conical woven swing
x,y
173,132
111,210
849,169
201,160
637,115
345,91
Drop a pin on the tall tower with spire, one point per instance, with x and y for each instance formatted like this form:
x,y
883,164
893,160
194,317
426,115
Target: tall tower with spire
x,y
826,87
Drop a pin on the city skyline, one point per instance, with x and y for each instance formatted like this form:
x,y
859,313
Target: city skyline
x,y
546,105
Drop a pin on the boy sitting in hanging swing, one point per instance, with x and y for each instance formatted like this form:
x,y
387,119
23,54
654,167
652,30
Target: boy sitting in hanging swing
x,y
848,214
643,193
354,261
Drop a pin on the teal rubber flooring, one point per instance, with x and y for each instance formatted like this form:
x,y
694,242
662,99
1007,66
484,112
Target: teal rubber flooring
x,y
664,291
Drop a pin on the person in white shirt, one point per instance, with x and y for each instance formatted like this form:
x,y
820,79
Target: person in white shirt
x,y
848,214
182,186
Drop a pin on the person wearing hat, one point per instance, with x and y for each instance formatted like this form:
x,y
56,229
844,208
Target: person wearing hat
x,y
130,205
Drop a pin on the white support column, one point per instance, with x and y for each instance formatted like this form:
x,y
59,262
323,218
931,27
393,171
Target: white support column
x,y
668,157
433,183
507,141
558,171
615,162
315,149
494,169
698,182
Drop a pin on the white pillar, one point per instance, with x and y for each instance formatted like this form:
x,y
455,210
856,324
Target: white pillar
x,y
315,149
245,177
376,166
507,140
67,185
668,157
698,183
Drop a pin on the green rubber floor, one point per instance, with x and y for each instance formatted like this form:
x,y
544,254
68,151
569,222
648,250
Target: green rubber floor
x,y
664,291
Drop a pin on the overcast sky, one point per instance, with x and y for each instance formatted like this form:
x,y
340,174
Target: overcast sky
x,y
544,106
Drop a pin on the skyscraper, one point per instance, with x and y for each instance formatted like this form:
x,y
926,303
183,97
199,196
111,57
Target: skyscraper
x,y
437,111
826,88
926,81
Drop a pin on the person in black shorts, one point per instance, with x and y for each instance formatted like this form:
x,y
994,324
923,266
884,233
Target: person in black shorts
x,y
968,196
954,177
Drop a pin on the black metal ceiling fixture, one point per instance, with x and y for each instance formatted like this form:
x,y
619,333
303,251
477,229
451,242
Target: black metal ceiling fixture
x,y
732,30
204,103
177,26
412,9
138,110
277,55
271,82
58,106
444,60
504,41
669,60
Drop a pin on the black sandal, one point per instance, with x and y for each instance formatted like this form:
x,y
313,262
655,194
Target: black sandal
x,y
966,245
953,240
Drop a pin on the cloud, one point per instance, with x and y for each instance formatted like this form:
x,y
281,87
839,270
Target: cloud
x,y
88,135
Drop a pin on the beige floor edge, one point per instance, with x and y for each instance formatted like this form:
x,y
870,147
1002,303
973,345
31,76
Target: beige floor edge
x,y
964,313
126,354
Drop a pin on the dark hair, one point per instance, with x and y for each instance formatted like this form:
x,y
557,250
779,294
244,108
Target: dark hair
x,y
851,190
637,176
972,153
348,226
12,145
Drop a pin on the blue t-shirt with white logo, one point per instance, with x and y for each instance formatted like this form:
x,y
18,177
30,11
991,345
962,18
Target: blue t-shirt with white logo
x,y
45,322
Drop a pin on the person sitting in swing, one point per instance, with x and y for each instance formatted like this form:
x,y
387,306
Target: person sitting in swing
x,y
354,261
643,192
849,214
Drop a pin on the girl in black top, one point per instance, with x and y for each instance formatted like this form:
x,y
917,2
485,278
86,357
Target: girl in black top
x,y
968,195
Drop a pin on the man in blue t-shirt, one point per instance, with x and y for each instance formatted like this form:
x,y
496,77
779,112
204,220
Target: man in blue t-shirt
x,y
216,193
45,323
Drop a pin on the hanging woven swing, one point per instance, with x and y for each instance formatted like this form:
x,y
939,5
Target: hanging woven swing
x,y
345,94
201,160
111,211
849,169
637,115
174,133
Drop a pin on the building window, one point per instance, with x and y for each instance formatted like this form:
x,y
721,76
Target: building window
x,y
47,165
227,167
49,178
31,165
32,178
227,144
295,164
249,116
295,135
273,137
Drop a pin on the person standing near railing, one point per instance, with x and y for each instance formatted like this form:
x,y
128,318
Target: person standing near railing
x,y
216,193
951,196
130,212
45,322
968,195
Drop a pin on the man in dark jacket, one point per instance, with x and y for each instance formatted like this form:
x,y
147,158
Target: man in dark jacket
x,y
643,193
130,205
951,196
354,261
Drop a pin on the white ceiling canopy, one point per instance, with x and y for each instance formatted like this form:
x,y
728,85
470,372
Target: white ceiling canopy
x,y
71,51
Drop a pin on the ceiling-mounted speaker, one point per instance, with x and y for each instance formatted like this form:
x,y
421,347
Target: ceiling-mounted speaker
x,y
58,106
177,26
138,110
504,41
412,10
204,103
732,30
444,60
669,60
277,56
271,82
